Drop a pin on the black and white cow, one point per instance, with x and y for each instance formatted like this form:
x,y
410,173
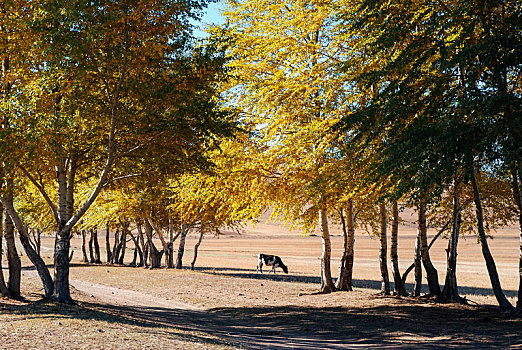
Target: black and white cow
x,y
270,260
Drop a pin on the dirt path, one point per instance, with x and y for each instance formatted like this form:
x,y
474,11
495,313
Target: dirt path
x,y
244,328
126,297
376,323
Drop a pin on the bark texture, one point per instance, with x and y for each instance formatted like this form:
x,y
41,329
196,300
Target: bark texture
x,y
450,291
62,246
488,258
181,248
383,251
3,286
344,282
196,247
431,271
394,256
516,176
417,263
327,285
13,260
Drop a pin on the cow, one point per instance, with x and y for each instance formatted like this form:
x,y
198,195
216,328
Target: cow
x,y
270,260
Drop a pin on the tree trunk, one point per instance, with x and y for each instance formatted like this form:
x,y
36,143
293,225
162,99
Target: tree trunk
x,y
115,247
61,266
91,247
84,251
62,243
134,258
344,282
488,258
181,248
196,247
3,287
123,245
155,254
327,285
13,260
108,244
431,272
417,262
37,261
516,175
94,237
417,252
394,255
37,236
450,291
144,247
139,248
137,251
383,252
169,250
38,242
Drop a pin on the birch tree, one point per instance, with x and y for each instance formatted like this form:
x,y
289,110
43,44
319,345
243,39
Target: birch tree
x,y
283,59
106,84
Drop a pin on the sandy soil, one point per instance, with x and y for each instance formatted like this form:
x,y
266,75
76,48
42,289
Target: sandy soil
x,y
225,303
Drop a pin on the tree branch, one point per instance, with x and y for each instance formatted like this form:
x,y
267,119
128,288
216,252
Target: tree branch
x,y
41,188
129,151
107,183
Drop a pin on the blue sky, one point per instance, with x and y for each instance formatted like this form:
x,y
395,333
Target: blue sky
x,y
212,16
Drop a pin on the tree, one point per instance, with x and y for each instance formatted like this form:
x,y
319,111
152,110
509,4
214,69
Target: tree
x,y
283,59
433,92
107,82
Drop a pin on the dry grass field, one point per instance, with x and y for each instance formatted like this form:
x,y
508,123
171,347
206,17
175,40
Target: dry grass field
x,y
225,304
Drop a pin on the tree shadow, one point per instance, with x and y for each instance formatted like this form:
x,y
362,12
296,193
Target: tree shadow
x,y
395,326
357,283
252,274
81,311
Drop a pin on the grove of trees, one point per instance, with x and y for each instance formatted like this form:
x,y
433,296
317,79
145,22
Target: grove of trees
x,y
115,119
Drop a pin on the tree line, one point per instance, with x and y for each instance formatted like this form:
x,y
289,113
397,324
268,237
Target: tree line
x,y
359,108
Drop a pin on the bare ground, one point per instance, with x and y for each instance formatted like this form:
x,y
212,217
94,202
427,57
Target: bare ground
x,y
225,304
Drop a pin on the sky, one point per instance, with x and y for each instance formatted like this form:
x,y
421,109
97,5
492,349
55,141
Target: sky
x,y
212,16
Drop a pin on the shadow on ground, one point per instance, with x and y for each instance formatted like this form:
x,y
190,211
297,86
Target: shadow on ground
x,y
110,314
357,283
405,324
291,327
